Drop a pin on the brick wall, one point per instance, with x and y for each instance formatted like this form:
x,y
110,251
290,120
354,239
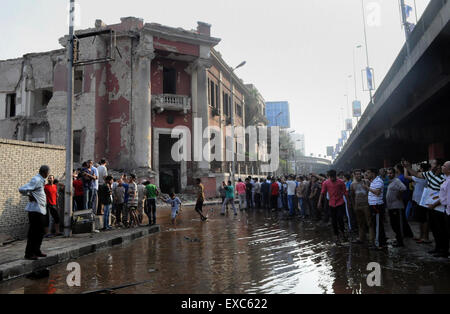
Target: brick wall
x,y
20,161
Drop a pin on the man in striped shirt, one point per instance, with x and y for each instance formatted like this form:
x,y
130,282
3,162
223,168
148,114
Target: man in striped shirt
x,y
438,220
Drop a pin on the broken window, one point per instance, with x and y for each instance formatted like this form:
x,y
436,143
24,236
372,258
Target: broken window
x,y
10,105
217,97
211,139
77,146
41,101
209,92
225,104
212,94
46,97
78,82
169,81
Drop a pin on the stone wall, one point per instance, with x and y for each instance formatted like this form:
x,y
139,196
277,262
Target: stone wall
x,y
20,162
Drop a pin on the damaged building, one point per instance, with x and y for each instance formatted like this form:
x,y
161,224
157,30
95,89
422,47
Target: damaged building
x,y
147,79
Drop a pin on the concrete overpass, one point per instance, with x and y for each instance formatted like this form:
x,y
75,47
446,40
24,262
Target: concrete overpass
x,y
410,113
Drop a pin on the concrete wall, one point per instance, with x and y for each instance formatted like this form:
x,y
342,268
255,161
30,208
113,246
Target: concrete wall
x,y
21,161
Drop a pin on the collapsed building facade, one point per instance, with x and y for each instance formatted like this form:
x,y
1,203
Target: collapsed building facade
x,y
150,79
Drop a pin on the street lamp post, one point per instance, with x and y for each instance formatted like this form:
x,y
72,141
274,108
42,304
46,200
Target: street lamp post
x,y
367,49
233,167
354,75
69,138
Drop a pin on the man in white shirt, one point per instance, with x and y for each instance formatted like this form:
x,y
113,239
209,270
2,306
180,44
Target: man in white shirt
x,y
291,188
36,209
258,193
102,172
376,207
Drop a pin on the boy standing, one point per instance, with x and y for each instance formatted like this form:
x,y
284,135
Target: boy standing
x,y
175,203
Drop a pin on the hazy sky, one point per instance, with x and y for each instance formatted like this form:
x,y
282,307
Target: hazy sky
x,y
296,50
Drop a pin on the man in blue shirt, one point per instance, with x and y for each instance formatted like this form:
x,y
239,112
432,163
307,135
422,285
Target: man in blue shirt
x,y
88,176
36,209
265,189
125,200
96,205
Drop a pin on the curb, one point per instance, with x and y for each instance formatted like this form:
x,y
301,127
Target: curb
x,y
19,268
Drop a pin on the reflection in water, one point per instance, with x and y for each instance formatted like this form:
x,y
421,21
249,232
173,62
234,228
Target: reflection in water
x,y
256,252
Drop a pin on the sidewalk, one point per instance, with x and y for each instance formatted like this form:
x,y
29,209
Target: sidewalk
x,y
62,249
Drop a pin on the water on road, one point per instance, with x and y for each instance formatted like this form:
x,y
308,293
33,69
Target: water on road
x,y
255,252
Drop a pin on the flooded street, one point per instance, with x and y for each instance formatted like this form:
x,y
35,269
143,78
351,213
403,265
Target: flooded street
x,y
255,252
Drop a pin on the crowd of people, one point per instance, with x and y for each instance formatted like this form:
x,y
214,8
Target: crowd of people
x,y
122,201
357,203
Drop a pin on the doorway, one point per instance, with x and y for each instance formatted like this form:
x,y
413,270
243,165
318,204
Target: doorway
x,y
169,169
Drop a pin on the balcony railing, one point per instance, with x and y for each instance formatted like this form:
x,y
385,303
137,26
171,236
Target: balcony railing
x,y
171,103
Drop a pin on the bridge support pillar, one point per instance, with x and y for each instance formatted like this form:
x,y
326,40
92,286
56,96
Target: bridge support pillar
x,y
436,151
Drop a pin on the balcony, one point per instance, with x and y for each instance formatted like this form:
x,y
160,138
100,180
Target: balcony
x,y
171,103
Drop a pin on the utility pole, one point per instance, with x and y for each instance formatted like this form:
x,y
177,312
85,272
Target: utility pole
x,y
354,76
69,138
405,25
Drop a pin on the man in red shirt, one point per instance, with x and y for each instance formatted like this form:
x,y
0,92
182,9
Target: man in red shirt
x,y
51,192
240,189
274,193
335,190
78,191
